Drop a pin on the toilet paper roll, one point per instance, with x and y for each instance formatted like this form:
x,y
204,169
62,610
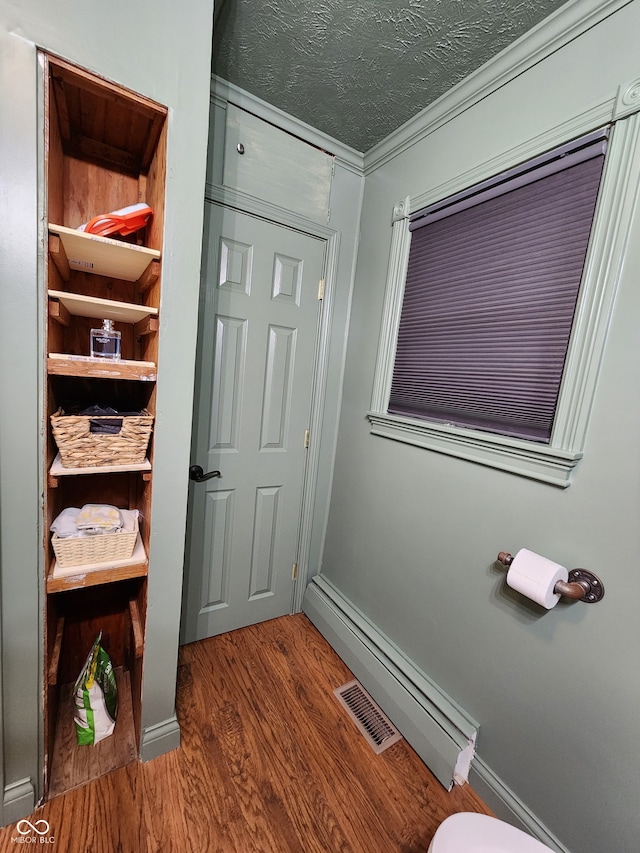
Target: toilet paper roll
x,y
536,577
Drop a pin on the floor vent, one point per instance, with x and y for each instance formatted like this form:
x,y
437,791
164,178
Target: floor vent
x,y
376,728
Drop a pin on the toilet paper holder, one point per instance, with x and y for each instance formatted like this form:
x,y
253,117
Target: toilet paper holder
x,y
582,584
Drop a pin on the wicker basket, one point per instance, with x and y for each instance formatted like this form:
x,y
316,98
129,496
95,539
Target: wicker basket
x,y
102,548
81,448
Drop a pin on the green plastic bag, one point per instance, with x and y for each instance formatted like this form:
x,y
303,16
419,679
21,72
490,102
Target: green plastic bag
x,y
96,697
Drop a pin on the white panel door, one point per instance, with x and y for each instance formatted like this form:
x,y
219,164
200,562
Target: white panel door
x,y
258,332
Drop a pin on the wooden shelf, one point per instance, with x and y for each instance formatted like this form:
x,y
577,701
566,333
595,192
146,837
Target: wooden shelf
x,y
104,147
58,470
99,255
73,765
61,364
101,309
94,574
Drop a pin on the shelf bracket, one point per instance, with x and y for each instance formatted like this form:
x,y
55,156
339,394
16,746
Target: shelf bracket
x,y
59,313
136,628
59,256
149,276
147,326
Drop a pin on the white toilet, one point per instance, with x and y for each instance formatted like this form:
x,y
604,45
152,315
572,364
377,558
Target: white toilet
x,y
468,832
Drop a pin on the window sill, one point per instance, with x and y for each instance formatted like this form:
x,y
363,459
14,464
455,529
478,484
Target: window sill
x,y
525,458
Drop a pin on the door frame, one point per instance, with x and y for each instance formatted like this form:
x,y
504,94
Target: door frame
x,y
244,203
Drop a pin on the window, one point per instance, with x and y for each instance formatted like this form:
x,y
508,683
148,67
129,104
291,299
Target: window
x,y
491,288
539,431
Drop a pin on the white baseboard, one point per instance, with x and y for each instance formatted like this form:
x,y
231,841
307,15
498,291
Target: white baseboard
x,y
435,726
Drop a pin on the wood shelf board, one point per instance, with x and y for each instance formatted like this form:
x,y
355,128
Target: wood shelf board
x,y
58,470
73,765
102,255
102,309
62,364
75,577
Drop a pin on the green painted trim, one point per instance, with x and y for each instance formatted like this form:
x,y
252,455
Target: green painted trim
x,y
160,738
19,801
435,726
318,406
553,463
43,532
394,293
526,459
628,99
507,806
560,28
223,91
603,267
21,325
246,203
596,116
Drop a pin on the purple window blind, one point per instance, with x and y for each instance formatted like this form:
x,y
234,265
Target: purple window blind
x,y
489,301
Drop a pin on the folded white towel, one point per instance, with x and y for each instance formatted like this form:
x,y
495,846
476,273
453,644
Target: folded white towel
x,y
99,518
66,524
129,517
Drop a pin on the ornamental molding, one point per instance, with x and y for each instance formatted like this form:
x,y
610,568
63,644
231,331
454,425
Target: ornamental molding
x,y
628,100
401,210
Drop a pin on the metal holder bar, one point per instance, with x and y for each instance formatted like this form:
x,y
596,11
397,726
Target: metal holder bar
x,y
582,584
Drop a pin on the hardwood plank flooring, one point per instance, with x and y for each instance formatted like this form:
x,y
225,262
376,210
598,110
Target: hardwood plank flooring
x,y
269,763
74,765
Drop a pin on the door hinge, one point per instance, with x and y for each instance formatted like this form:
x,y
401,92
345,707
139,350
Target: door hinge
x,y
321,289
294,573
307,436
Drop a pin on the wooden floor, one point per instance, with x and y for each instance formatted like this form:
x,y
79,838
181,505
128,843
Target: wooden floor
x,y
269,763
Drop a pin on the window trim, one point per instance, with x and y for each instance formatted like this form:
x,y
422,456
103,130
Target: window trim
x,y
551,463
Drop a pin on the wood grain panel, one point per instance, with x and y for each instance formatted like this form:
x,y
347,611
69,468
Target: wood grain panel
x,y
92,189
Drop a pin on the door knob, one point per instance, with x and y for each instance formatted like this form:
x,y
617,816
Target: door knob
x,y
196,473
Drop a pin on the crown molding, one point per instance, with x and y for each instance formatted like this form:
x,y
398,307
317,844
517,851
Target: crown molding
x,y
223,92
596,116
561,27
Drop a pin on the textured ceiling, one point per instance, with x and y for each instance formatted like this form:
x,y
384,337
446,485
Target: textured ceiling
x,y
358,69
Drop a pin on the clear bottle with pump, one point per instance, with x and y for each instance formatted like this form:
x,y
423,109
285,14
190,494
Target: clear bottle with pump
x,y
105,342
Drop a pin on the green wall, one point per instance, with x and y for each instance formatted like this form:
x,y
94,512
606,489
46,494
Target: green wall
x,y
412,534
164,52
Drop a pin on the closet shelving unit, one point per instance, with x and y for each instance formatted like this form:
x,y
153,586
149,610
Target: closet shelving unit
x,y
105,148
